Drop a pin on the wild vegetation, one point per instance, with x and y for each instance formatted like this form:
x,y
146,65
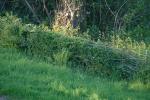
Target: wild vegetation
x,y
74,49
23,78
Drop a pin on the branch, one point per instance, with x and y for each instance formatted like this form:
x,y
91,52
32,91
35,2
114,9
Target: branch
x,y
47,12
109,8
116,16
29,6
3,5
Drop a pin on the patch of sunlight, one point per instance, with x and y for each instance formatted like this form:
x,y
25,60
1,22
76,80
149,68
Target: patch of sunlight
x,y
94,96
118,85
139,86
21,61
129,98
79,91
59,87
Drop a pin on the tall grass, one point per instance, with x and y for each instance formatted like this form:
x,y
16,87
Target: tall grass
x,y
62,57
22,78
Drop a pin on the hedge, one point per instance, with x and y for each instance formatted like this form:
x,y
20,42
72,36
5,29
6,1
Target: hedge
x,y
97,58
92,57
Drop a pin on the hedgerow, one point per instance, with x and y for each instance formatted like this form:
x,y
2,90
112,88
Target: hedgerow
x,y
92,57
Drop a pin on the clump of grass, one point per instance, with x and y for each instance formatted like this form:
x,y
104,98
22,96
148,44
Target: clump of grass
x,y
62,57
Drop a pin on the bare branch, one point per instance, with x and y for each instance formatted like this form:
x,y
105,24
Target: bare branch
x,y
29,6
116,16
109,8
3,5
47,12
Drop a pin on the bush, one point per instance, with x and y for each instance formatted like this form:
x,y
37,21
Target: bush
x,y
91,57
10,30
85,54
139,48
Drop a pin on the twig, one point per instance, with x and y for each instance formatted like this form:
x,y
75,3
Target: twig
x,y
47,12
116,16
3,5
29,6
109,8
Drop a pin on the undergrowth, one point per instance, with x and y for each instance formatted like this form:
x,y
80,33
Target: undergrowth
x,y
122,59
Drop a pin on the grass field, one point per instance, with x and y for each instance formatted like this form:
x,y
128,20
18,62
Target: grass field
x,y
23,78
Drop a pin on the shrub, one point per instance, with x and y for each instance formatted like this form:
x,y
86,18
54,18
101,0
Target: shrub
x,y
85,54
10,30
93,57
139,48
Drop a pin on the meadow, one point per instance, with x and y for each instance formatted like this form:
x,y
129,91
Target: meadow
x,y
23,78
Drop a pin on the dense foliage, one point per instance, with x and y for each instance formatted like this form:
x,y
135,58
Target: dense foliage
x,y
105,15
93,57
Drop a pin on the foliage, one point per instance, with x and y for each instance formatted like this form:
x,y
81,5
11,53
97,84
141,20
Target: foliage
x,y
144,74
10,30
94,32
140,33
92,57
139,48
106,15
20,8
84,53
67,30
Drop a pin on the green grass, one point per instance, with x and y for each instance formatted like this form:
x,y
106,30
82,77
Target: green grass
x,y
22,78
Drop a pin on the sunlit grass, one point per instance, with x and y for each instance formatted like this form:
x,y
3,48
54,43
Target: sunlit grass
x,y
22,78
137,85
